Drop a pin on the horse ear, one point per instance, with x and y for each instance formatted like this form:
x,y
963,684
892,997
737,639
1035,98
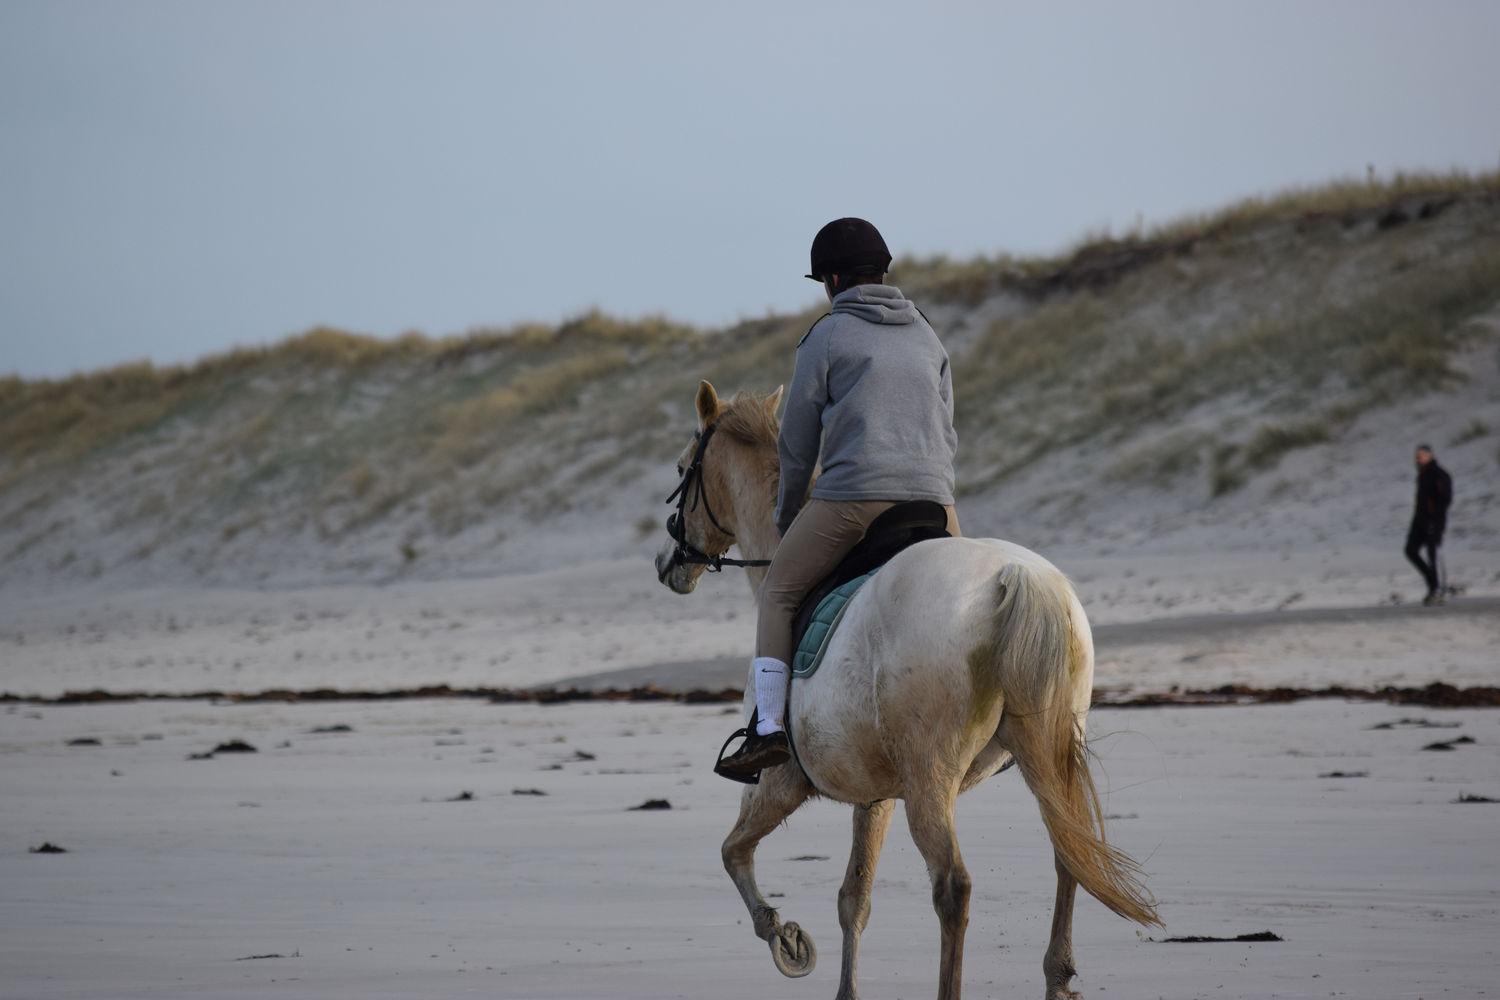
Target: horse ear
x,y
708,403
774,400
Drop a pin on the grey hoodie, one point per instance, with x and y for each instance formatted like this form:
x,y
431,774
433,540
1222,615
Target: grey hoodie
x,y
872,393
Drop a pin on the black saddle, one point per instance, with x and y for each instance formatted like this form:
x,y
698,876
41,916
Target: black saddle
x,y
900,527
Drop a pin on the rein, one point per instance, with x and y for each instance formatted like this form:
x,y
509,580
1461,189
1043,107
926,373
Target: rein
x,y
685,553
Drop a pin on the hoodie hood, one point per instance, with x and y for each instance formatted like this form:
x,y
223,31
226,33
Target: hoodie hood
x,y
883,304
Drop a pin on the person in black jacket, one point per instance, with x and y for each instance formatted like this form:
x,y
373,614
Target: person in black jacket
x,y
1434,494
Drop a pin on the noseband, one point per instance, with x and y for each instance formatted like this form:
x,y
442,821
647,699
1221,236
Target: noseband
x,y
685,553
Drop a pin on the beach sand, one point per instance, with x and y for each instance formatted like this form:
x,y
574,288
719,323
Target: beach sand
x,y
439,847
454,847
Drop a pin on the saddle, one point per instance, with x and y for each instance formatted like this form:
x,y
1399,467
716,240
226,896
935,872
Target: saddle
x,y
898,528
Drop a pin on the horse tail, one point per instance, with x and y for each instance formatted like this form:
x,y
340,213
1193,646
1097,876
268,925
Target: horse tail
x,y
1041,654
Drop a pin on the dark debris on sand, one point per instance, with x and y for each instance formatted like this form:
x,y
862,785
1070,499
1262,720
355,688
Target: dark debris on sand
x,y
1449,744
1437,695
1406,723
499,696
233,746
1251,938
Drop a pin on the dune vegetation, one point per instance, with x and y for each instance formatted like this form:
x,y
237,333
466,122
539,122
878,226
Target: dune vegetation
x,y
1192,358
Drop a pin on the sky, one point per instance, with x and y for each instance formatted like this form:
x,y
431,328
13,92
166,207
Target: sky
x,y
181,177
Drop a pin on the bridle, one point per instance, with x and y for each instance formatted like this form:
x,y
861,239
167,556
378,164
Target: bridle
x,y
685,553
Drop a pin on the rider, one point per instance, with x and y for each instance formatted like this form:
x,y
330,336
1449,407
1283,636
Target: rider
x,y
871,395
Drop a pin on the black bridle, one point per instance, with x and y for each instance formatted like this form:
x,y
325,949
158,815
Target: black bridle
x,y
685,553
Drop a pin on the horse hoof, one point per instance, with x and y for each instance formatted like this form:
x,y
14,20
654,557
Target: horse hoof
x,y
793,951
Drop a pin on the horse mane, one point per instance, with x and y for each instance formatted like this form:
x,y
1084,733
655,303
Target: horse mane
x,y
748,420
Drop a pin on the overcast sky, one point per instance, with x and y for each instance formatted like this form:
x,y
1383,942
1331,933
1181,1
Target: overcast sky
x,y
178,178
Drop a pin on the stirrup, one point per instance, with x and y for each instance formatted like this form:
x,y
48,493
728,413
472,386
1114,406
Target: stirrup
x,y
748,779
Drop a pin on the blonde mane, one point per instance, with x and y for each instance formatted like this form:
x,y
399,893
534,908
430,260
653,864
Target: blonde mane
x,y
750,420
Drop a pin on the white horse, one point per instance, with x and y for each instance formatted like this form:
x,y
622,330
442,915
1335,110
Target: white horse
x,y
958,657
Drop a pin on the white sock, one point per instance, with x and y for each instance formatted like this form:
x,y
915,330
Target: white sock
x,y
771,677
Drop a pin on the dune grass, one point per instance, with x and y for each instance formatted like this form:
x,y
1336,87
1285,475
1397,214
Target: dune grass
x,y
1203,352
1114,364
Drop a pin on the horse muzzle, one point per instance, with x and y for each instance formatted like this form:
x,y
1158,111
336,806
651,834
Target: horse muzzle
x,y
673,572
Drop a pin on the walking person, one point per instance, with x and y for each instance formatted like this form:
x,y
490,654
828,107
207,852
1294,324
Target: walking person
x,y
872,397
1425,537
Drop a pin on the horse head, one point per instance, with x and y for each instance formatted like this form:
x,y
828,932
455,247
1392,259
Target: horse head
x,y
708,503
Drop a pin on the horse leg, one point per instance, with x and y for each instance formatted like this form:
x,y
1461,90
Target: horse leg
x,y
762,808
1057,965
870,825
931,820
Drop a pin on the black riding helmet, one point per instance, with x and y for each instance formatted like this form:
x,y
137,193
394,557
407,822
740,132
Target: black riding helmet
x,y
849,246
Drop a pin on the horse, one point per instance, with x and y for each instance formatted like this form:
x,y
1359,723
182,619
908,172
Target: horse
x,y
959,657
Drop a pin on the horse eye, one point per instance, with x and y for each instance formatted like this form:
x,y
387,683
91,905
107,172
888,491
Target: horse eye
x,y
679,472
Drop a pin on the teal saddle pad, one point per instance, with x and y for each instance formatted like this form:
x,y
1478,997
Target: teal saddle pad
x,y
825,619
